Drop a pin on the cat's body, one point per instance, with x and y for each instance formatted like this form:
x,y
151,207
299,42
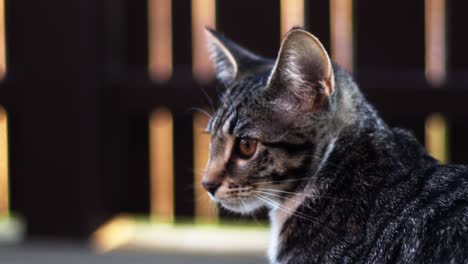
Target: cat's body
x,y
297,136
384,201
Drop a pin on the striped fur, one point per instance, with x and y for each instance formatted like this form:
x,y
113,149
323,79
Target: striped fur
x,y
341,186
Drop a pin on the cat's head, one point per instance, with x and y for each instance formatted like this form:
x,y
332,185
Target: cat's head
x,y
263,136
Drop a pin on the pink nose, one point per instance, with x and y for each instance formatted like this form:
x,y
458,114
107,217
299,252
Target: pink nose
x,y
211,186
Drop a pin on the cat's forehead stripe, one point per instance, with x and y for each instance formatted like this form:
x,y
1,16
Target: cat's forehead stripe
x,y
223,118
228,124
233,99
226,117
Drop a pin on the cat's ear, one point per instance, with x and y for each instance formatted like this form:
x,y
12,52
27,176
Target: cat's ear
x,y
303,73
231,60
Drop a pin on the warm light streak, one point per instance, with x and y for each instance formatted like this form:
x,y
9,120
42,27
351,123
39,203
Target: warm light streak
x,y
205,210
160,39
4,185
436,71
125,233
437,137
292,14
114,234
3,64
435,42
203,15
341,35
161,165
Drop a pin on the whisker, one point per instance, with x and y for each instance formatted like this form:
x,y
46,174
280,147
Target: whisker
x,y
245,206
309,195
285,209
254,217
288,210
289,180
210,101
271,203
279,196
196,109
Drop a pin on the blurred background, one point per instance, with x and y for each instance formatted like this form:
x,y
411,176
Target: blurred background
x,y
101,150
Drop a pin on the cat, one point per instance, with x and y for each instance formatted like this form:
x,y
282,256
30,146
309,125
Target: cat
x,y
297,136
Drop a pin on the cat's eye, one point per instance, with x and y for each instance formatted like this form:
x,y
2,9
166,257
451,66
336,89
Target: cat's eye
x,y
247,147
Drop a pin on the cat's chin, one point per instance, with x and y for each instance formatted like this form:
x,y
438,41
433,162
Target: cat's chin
x,y
243,207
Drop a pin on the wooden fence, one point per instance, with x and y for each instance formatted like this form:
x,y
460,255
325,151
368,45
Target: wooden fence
x,y
99,94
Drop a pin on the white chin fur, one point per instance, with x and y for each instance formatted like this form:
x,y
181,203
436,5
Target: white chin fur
x,y
246,207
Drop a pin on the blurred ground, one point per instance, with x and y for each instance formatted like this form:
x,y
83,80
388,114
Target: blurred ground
x,y
71,253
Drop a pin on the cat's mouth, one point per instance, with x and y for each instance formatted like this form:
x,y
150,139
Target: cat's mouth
x,y
239,198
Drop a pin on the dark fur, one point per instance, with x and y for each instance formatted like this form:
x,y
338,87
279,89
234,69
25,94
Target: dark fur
x,y
375,197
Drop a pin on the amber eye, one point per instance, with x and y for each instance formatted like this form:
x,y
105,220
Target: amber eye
x,y
247,147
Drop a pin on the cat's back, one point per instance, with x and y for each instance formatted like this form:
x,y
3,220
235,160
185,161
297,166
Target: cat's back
x,y
431,223
415,209
446,213
436,230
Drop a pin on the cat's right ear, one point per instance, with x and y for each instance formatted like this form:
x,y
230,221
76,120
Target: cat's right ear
x,y
230,60
303,74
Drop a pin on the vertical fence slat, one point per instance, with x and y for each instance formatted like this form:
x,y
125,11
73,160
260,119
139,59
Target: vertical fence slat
x,y
292,14
4,182
435,71
437,136
160,39
341,25
436,36
3,59
161,165
203,15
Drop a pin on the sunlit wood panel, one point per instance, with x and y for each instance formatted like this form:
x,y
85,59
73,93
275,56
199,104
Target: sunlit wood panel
x,y
292,14
205,210
203,15
436,57
4,185
341,32
161,165
160,39
437,137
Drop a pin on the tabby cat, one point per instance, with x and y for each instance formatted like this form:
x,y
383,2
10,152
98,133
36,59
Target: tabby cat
x,y
296,135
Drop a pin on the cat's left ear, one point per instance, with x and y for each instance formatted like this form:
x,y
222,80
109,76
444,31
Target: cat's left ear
x,y
303,73
231,61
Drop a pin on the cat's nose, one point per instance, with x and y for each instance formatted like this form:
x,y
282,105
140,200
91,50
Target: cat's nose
x,y
211,186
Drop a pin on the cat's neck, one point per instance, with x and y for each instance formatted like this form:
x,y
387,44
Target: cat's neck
x,y
350,115
351,109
